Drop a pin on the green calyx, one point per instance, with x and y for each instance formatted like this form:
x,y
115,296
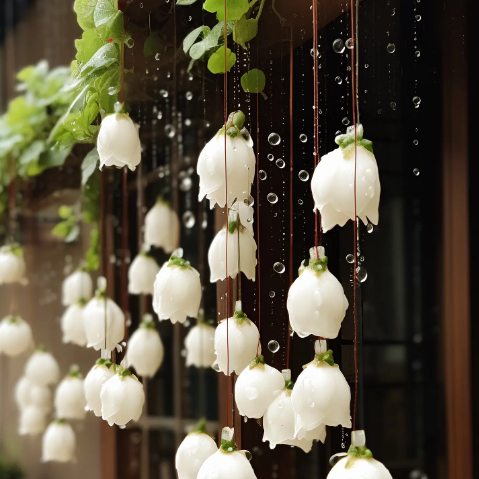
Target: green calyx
x,y
346,141
105,362
354,452
82,302
41,348
240,318
200,426
257,361
148,324
232,225
228,446
234,124
326,357
13,248
75,373
124,373
289,385
59,420
317,266
177,261
12,319
161,201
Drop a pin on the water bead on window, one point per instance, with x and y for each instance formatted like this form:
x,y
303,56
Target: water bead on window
x,y
274,139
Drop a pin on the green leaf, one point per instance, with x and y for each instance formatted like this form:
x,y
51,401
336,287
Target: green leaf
x,y
235,9
91,198
185,2
245,30
216,63
105,11
85,10
92,256
88,165
193,36
87,46
153,45
62,229
52,158
65,212
32,152
253,81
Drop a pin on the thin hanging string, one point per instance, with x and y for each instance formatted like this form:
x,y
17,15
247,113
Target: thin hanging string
x,y
103,240
258,269
355,225
124,249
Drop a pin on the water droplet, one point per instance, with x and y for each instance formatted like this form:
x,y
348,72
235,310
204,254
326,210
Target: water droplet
x,y
187,122
361,274
416,101
415,142
303,138
349,43
160,115
112,90
416,172
274,139
170,131
350,258
130,43
270,157
370,228
272,198
338,45
248,454
141,5
300,202
393,105
418,18
249,201
345,121
303,175
366,65
279,267
164,93
280,163
273,346
338,80
251,392
417,53
188,219
215,366
186,184
272,294
311,52
157,56
262,175
188,95
391,48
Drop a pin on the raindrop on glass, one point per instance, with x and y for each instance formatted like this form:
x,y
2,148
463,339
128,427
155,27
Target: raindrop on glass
x,y
274,139
249,201
361,274
366,65
188,95
345,121
273,346
349,43
272,294
157,56
117,106
416,172
338,80
187,122
418,18
188,219
272,198
391,48
416,101
303,175
170,131
369,228
415,142
350,258
164,93
280,163
311,52
130,43
262,175
303,138
417,53
215,366
186,184
160,115
338,45
248,454
393,105
279,267
300,202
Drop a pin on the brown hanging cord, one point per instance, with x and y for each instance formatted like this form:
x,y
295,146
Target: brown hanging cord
x,y
124,248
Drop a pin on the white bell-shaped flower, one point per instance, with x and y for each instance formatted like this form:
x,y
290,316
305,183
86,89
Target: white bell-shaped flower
x,y
242,337
145,349
321,396
12,264
240,242
99,374
70,397
359,462
122,398
58,442
40,397
240,164
118,142
200,346
72,325
22,392
256,388
42,368
142,274
195,448
96,313
15,336
316,300
162,227
333,182
177,292
33,421
77,287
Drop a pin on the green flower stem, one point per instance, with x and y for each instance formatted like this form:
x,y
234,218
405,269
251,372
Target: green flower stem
x,y
201,426
228,446
260,11
326,357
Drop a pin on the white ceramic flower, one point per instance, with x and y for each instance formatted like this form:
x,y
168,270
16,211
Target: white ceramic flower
x,y
76,287
15,336
321,395
200,346
99,310
256,388
118,142
72,325
316,300
333,182
32,421
70,397
122,398
99,374
58,442
247,252
162,227
243,340
233,465
240,164
12,264
177,292
142,274
42,368
195,448
22,392
145,349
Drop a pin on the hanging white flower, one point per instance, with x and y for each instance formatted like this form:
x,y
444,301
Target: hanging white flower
x,y
142,274
42,368
77,287
70,397
122,398
195,448
333,182
359,463
246,214
200,346
243,340
99,310
177,293
99,374
58,442
316,300
32,421
247,252
256,388
40,397
15,336
12,264
145,349
22,392
162,227
118,142
321,396
72,325
240,164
